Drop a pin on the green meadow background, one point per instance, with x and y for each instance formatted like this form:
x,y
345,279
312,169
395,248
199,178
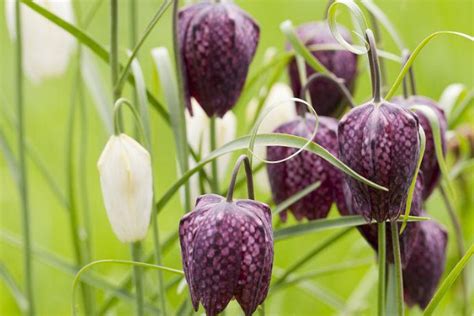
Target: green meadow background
x,y
444,61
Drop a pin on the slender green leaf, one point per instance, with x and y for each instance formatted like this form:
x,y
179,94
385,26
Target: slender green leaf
x,y
296,197
325,224
415,53
436,131
360,24
460,108
448,281
9,157
411,189
264,140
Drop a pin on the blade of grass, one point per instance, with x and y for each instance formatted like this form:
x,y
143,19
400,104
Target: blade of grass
x,y
448,281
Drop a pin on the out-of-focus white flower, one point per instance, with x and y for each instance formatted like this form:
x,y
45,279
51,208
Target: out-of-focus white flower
x,y
127,187
280,95
198,132
46,47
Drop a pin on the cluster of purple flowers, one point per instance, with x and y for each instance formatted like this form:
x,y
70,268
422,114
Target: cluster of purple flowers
x,y
227,245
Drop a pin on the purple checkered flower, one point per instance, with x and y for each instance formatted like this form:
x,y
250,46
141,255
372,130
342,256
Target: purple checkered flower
x,y
291,176
217,43
325,95
426,265
380,141
429,165
227,252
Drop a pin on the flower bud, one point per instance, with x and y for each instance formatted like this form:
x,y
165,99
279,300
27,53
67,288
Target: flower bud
x,y
325,94
347,206
291,176
426,265
217,44
381,143
429,165
127,188
227,252
46,47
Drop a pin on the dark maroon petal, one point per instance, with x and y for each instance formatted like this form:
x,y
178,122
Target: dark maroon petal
x,y
325,95
426,265
381,143
218,42
429,165
257,257
289,177
227,251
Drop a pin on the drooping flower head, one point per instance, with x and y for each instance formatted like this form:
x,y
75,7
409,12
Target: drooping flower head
x,y
47,48
325,95
426,265
217,44
291,176
127,187
380,141
227,251
429,165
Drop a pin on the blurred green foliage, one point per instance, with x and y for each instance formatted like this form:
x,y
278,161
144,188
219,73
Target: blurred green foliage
x,y
445,61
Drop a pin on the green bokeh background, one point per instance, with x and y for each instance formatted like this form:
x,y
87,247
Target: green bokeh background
x,y
445,61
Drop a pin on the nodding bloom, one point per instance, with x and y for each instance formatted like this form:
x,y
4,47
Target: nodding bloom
x,y
46,47
217,44
426,265
127,188
380,141
227,252
280,94
291,176
429,165
198,133
325,94
409,236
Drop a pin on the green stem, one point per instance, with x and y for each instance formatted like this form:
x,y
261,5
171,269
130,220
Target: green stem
x,y
398,268
381,257
181,96
460,247
213,145
157,253
27,260
137,276
114,65
74,225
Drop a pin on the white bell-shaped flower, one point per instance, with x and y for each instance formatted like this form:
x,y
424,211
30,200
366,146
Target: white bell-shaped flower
x,y
46,47
127,187
198,133
285,111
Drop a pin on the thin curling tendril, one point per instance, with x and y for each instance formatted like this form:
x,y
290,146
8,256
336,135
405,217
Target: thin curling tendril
x,y
338,82
260,121
361,25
